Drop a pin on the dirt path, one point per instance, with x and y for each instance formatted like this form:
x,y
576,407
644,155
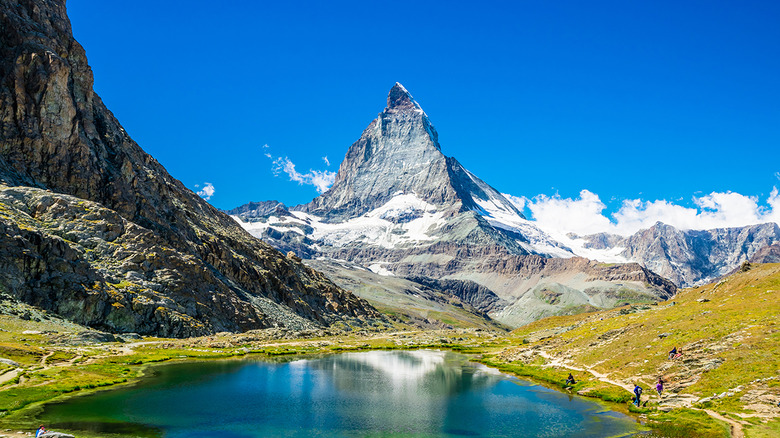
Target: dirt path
x,y
736,427
10,375
44,357
599,376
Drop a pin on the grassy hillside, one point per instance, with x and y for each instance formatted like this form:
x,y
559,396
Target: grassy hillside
x,y
728,332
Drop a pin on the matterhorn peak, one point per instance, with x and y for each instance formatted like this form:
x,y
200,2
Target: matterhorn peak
x,y
399,153
400,99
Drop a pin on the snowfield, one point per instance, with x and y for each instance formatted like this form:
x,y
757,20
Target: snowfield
x,y
403,221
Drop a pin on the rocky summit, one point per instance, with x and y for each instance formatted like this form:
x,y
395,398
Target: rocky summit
x,y
399,153
400,207
94,229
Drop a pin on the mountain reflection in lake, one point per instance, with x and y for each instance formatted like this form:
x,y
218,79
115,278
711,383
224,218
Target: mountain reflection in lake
x,y
378,393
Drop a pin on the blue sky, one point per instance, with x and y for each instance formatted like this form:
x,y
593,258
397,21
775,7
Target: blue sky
x,y
648,101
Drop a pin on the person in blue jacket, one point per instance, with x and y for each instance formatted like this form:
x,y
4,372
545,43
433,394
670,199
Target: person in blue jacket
x,y
638,393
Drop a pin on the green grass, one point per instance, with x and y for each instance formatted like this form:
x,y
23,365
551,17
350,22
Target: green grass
x,y
759,429
51,383
688,423
743,308
22,354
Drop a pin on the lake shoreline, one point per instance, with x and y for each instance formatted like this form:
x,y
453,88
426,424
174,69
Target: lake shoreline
x,y
128,393
472,343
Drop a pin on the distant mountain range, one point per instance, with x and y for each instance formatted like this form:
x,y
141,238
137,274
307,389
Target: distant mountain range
x,y
400,207
94,229
692,257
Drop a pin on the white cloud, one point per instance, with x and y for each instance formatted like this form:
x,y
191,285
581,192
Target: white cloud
x,y
774,206
777,175
321,180
268,155
584,215
207,192
325,159
518,201
564,215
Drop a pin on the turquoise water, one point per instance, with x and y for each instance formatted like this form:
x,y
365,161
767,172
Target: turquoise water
x,y
378,393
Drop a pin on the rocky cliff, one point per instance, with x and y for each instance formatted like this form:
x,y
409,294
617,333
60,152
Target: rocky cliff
x,y
95,229
767,254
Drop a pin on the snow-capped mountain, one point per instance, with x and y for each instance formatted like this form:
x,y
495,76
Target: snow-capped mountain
x,y
688,257
399,154
400,207
396,188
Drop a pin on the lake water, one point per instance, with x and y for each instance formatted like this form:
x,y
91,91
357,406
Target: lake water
x,y
371,394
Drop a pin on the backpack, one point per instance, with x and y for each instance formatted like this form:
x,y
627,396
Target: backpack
x,y
638,390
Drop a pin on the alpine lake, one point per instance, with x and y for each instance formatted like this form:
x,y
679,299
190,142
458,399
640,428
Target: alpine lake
x,y
420,393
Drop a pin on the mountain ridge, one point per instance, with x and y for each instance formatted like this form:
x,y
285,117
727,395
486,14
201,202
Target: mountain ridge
x,y
690,257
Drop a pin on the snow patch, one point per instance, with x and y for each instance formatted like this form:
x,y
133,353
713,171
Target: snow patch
x,y
405,220
384,226
500,213
281,224
379,269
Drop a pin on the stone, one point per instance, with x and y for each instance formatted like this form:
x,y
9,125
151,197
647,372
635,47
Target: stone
x,y
95,337
127,337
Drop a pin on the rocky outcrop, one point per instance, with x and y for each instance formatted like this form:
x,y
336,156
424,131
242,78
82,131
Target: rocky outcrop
x,y
767,254
97,230
469,292
690,257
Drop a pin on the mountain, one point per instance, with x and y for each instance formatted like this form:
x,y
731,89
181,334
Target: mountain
x,y
691,257
399,154
767,254
260,209
400,207
96,230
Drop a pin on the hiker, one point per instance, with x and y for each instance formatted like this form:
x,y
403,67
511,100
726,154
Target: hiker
x,y
638,392
41,430
673,353
570,380
678,355
659,386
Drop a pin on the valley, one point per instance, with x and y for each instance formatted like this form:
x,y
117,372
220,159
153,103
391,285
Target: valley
x,y
110,265
727,369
